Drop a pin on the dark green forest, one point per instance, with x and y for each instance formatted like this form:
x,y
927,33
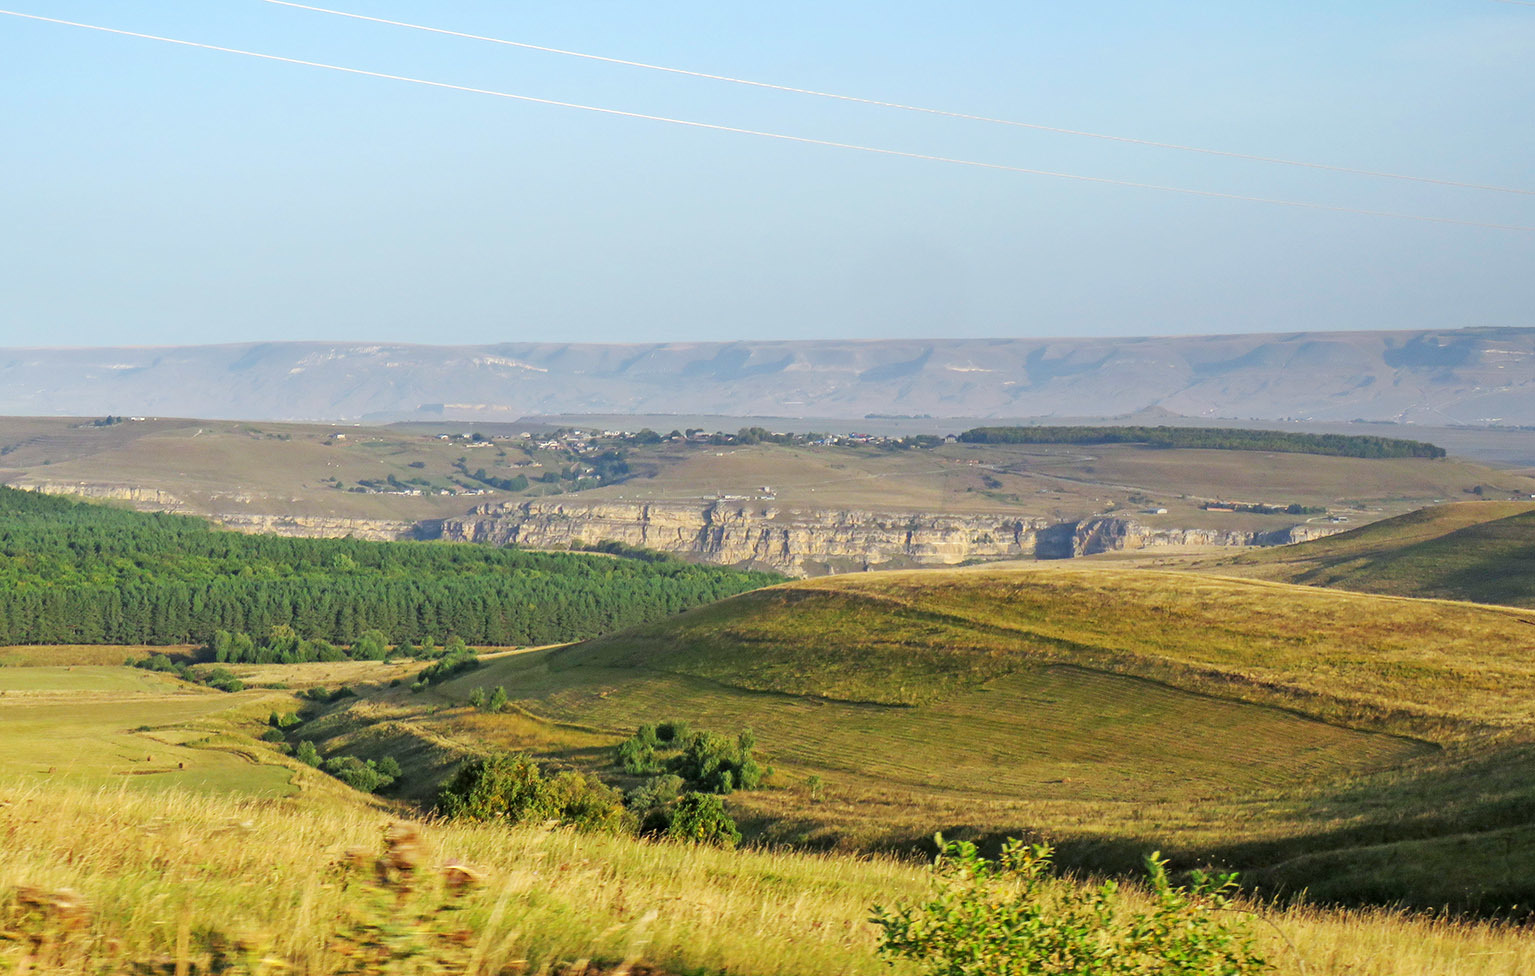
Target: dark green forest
x,y
1211,439
78,573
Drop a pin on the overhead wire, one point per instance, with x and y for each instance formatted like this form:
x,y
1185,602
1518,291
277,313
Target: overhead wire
x,y
785,137
1229,154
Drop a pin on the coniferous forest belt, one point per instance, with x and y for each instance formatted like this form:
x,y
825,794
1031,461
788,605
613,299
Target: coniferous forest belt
x,y
1211,438
73,572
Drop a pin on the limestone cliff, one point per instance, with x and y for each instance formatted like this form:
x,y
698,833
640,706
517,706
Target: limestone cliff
x,y
305,526
803,542
320,526
798,542
155,499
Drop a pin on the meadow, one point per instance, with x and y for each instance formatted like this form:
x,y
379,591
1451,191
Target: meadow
x,y
114,727
173,881
1363,748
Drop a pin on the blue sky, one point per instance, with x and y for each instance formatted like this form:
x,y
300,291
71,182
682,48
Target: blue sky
x,y
156,194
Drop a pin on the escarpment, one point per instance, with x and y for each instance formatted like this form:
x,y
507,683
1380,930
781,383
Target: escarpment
x,y
795,541
811,541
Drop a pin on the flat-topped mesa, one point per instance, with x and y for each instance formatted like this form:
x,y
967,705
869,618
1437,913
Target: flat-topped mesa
x,y
812,542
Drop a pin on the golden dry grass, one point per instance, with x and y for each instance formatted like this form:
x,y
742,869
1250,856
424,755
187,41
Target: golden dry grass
x,y
163,878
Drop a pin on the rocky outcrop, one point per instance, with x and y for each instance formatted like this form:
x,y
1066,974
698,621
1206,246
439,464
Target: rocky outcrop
x,y
152,498
810,542
321,526
304,526
1113,534
799,542
737,533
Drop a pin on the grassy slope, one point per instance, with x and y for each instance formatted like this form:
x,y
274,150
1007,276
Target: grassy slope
x,y
1301,734
165,875
118,727
1426,668
1482,551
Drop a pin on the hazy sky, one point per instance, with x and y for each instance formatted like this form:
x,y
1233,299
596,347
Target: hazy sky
x,y
156,194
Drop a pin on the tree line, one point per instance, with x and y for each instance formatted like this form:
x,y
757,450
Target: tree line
x,y
1211,439
75,572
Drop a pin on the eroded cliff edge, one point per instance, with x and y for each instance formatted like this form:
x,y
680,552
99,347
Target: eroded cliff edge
x,y
810,542
797,542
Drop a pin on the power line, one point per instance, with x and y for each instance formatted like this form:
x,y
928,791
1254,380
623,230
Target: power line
x,y
806,140
1251,157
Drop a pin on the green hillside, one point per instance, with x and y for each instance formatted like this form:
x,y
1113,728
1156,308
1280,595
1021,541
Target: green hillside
x,y
1299,734
1479,551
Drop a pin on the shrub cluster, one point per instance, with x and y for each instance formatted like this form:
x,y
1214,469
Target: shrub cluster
x,y
705,761
1011,918
367,775
511,788
661,809
494,702
455,660
220,678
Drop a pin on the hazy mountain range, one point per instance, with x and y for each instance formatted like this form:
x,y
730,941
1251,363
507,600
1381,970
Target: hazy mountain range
x,y
1468,376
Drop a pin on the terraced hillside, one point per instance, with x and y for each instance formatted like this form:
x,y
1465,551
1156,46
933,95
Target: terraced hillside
x,y
1313,738
1479,551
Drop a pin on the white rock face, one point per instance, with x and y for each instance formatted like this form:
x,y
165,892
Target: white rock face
x,y
807,542
798,542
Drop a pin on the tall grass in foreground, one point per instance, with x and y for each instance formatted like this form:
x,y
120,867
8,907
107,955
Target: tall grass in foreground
x,y
170,880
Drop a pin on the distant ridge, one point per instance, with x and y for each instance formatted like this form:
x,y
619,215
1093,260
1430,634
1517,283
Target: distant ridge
x,y
1466,376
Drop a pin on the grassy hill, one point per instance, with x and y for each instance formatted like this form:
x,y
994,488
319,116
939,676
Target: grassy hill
x,y
1479,551
1312,738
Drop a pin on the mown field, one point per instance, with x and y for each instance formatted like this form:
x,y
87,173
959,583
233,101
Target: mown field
x,y
1479,551
113,728
1365,748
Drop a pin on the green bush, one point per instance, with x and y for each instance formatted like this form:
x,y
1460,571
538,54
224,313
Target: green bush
x,y
477,698
701,819
511,787
307,753
223,680
719,764
497,701
372,645
1011,918
456,661
637,757
357,774
671,732
656,792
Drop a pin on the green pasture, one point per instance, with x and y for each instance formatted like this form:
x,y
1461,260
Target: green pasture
x,y
117,726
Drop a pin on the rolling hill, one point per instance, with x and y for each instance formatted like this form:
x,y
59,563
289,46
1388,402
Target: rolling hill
x,y
1478,551
1309,737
